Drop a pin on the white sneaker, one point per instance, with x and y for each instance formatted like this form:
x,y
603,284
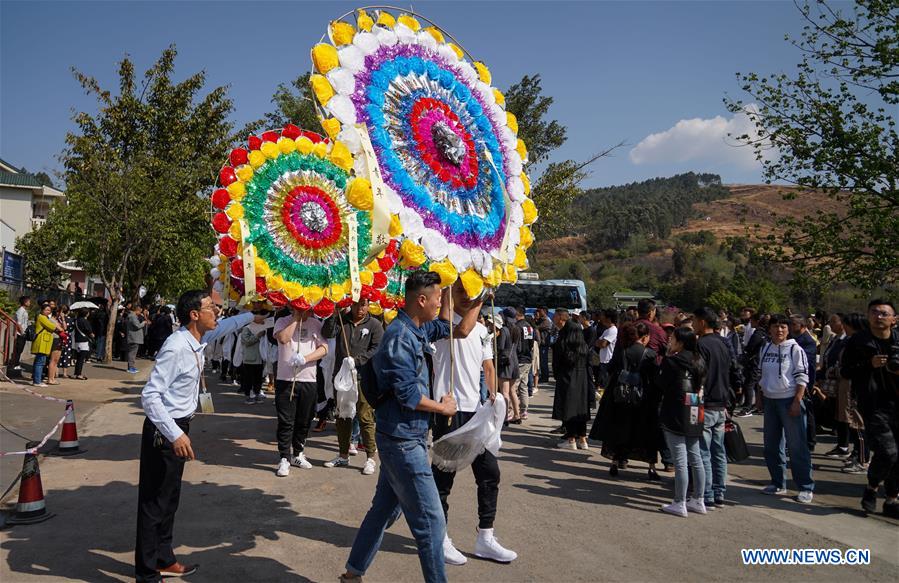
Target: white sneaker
x,y
676,508
235,383
260,397
696,505
487,547
283,468
451,555
583,445
353,450
369,467
300,461
565,444
804,497
249,401
338,462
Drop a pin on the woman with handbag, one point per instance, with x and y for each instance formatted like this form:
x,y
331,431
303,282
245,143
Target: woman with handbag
x,y
627,422
42,345
681,416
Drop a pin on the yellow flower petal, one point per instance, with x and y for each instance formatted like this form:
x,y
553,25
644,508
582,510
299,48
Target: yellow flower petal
x,y
324,57
510,275
412,254
500,98
396,228
522,150
386,19
375,309
483,72
237,190
342,33
235,211
314,294
364,21
512,122
275,282
335,292
521,259
530,211
527,183
389,315
359,194
472,282
446,271
270,149
527,237
322,88
261,267
341,156
257,158
244,172
495,277
320,149
286,145
234,231
293,290
409,21
331,127
457,50
366,277
304,145
435,32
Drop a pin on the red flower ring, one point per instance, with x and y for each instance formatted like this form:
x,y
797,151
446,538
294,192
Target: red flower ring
x,y
291,210
425,114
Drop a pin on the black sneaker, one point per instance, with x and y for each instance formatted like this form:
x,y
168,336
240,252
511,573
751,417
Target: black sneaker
x,y
869,501
743,413
613,469
719,502
891,509
838,453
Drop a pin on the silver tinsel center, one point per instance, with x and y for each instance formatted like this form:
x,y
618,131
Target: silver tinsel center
x,y
448,143
314,217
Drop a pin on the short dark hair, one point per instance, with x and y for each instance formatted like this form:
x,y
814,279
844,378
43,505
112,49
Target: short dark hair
x,y
188,302
686,336
881,302
645,306
855,321
642,329
420,280
779,320
707,315
611,314
520,310
23,299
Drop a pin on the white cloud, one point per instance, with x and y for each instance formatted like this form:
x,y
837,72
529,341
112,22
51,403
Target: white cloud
x,y
710,141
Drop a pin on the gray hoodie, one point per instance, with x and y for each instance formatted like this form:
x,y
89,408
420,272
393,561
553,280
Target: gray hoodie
x,y
783,366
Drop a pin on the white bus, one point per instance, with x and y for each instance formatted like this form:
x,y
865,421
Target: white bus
x,y
551,293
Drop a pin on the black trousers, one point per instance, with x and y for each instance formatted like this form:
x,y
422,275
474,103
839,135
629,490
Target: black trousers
x,y
251,378
159,492
80,359
484,467
882,434
294,415
17,352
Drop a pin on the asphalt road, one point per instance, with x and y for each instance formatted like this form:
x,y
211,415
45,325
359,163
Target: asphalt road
x,y
560,510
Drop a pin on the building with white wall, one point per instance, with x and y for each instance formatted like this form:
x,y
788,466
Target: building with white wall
x,y
24,204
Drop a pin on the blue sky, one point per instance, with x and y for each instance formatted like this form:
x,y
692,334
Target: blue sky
x,y
652,74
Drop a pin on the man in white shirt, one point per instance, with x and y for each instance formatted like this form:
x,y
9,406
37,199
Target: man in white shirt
x,y
169,400
21,326
606,344
300,345
746,317
473,352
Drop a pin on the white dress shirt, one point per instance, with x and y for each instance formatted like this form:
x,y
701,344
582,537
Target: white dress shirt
x,y
172,389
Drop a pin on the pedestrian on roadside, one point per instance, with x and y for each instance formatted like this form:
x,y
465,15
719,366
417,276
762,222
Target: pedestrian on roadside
x,y
23,321
56,349
507,360
525,357
45,331
406,483
784,380
847,404
169,401
134,327
871,361
545,327
573,383
82,332
252,338
680,381
66,353
99,322
300,346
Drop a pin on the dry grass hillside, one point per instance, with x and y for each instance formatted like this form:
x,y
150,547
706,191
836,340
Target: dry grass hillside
x,y
754,209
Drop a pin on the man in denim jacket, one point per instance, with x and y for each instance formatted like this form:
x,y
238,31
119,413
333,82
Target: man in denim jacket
x,y
406,484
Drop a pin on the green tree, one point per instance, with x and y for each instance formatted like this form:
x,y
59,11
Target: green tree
x,y
831,127
41,177
135,175
294,104
43,248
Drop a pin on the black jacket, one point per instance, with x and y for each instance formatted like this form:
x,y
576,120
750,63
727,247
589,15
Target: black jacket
x,y
752,374
680,374
875,388
364,339
722,374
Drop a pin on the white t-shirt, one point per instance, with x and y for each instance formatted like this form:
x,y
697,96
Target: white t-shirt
x,y
470,354
611,335
307,337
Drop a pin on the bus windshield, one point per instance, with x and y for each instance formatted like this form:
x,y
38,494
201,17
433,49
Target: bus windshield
x,y
567,293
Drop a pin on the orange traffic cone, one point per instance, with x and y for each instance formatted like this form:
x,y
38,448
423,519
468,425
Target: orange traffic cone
x,y
31,507
68,440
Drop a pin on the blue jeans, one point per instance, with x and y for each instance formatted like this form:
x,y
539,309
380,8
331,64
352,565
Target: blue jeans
x,y
405,485
685,452
40,361
780,427
101,347
714,458
356,433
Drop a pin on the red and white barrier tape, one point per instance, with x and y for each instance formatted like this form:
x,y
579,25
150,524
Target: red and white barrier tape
x,y
43,442
40,396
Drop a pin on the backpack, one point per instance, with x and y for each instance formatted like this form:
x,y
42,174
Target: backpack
x,y
30,333
374,394
629,388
